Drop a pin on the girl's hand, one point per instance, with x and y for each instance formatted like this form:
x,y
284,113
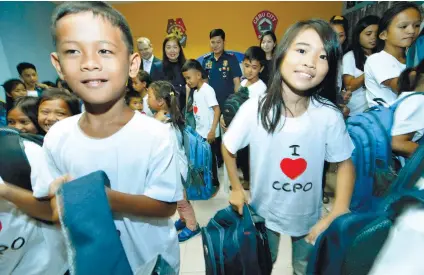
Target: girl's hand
x,y
237,200
222,122
211,136
317,229
347,95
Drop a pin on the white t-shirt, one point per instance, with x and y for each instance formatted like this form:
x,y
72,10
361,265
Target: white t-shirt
x,y
32,93
358,102
256,89
286,167
139,160
378,68
409,118
31,247
203,101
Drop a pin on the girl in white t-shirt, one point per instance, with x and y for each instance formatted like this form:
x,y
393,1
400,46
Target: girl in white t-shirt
x,y
397,29
364,42
408,125
291,131
163,100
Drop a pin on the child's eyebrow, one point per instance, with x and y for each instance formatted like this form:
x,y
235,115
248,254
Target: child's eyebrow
x,y
98,42
303,44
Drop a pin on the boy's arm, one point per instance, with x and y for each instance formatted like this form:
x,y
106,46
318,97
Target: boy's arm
x,y
140,205
403,145
236,81
25,201
216,115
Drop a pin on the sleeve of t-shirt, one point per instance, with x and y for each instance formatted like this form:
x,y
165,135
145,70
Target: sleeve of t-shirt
x,y
349,65
40,175
238,134
163,180
383,68
235,67
409,116
339,146
211,97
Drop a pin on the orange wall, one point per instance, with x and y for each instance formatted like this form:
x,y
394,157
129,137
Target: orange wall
x,y
150,19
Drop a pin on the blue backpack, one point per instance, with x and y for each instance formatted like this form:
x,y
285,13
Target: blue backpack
x,y
236,245
372,157
199,183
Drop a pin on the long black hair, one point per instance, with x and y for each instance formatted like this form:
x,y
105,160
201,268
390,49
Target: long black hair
x,y
358,51
342,21
164,90
273,102
388,16
167,69
274,38
408,82
29,106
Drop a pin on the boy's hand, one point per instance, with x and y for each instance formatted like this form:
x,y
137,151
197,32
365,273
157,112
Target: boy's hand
x,y
211,136
346,95
223,125
237,200
54,187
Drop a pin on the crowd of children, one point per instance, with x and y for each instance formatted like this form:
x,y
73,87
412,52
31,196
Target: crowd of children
x,y
124,113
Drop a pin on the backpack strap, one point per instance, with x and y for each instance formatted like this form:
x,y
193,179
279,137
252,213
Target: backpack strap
x,y
395,204
396,104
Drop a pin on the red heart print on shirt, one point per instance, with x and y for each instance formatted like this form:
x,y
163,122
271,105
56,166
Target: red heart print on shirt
x,y
195,109
293,168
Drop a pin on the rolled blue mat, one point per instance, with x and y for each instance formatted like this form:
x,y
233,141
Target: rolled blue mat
x,y
93,243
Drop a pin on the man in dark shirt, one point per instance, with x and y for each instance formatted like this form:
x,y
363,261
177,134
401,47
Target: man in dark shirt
x,y
223,71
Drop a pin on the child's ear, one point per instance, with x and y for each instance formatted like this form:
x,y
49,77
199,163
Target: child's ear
x,y
9,95
54,58
383,35
144,84
135,61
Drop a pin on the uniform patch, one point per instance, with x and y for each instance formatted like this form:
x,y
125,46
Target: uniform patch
x,y
264,21
177,28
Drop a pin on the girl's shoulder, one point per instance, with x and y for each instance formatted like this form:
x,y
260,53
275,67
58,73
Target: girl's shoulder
x,y
324,108
349,54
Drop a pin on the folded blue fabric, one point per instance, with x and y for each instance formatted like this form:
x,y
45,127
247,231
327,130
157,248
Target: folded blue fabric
x,y
93,242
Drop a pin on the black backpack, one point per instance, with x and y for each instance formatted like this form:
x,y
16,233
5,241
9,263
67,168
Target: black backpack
x,y
233,103
14,166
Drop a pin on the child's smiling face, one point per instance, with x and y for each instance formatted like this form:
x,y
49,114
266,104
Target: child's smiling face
x,y
92,58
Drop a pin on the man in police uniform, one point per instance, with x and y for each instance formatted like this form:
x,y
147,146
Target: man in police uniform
x,y
222,68
223,72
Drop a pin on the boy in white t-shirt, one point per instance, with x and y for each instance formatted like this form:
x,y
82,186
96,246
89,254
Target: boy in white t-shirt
x,y
253,64
205,107
94,55
408,124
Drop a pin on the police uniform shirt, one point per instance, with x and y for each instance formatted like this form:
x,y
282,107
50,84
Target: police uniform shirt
x,y
221,73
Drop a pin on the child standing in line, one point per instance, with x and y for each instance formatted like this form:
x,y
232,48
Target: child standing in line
x,y
408,124
134,101
163,99
140,84
253,64
291,131
23,115
397,29
94,55
205,108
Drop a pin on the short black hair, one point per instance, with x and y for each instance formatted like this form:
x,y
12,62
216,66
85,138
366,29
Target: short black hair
x,y
49,83
144,76
131,94
193,64
217,32
11,84
98,8
23,66
255,53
